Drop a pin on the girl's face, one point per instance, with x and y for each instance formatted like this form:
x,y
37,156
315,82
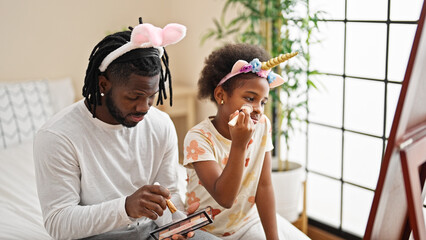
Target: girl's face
x,y
254,92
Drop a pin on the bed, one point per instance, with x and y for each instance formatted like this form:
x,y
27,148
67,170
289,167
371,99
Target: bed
x,y
24,107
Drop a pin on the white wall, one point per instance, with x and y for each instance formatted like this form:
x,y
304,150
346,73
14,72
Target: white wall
x,y
53,38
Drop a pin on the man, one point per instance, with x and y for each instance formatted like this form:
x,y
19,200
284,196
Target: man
x,y
97,160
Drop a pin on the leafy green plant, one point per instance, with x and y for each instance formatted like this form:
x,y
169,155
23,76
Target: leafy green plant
x,y
280,26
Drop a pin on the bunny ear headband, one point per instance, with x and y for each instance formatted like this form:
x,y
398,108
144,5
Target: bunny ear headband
x,y
262,69
146,36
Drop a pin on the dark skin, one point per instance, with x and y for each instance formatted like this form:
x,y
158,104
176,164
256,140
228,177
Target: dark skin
x,y
131,101
134,97
224,185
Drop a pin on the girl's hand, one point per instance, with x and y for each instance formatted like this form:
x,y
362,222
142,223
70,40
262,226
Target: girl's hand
x,y
243,130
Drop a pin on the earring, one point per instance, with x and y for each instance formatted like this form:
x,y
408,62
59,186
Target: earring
x,y
102,94
221,102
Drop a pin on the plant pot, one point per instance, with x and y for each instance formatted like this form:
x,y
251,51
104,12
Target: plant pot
x,y
288,191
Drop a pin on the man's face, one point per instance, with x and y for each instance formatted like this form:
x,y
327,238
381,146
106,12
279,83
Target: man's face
x,y
128,103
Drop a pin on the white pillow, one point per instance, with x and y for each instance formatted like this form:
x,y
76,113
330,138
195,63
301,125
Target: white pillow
x,y
24,107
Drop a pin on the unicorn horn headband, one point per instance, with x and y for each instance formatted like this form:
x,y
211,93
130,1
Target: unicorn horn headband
x,y
146,35
262,69
277,60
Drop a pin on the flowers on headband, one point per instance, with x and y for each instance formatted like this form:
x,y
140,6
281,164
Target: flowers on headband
x,y
246,68
255,67
271,77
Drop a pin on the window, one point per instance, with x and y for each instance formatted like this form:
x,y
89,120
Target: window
x,y
363,56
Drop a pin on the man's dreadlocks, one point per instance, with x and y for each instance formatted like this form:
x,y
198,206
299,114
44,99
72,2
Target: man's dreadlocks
x,y
149,65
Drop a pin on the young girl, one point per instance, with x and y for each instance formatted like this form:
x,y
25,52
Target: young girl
x,y
229,167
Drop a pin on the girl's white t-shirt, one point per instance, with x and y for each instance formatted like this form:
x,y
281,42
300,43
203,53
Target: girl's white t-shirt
x,y
204,143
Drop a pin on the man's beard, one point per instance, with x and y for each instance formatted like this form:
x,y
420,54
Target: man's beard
x,y
117,114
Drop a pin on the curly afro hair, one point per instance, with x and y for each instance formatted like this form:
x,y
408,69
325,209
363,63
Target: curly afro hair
x,y
220,62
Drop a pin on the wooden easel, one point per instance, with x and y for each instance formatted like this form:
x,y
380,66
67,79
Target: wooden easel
x,y
413,158
397,208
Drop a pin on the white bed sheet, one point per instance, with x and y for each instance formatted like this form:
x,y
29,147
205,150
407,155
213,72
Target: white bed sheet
x,y
19,205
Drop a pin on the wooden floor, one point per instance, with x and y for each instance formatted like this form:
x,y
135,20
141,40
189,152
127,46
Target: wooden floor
x,y
313,232
318,234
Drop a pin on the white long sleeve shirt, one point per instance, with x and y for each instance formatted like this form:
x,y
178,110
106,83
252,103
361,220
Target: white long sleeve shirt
x,y
85,169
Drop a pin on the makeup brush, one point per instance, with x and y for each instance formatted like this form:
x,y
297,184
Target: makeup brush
x,y
234,119
176,214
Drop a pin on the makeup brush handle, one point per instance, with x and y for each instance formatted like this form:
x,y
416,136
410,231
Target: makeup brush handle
x,y
234,119
169,203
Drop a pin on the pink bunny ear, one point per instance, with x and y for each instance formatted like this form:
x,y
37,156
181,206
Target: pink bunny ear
x,y
145,36
173,33
147,33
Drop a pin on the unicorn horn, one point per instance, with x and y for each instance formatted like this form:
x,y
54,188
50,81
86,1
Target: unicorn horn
x,y
277,60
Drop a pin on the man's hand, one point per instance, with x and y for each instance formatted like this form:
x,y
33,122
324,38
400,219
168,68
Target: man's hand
x,y
148,201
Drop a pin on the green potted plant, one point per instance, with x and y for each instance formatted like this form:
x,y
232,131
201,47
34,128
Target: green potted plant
x,y
280,27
